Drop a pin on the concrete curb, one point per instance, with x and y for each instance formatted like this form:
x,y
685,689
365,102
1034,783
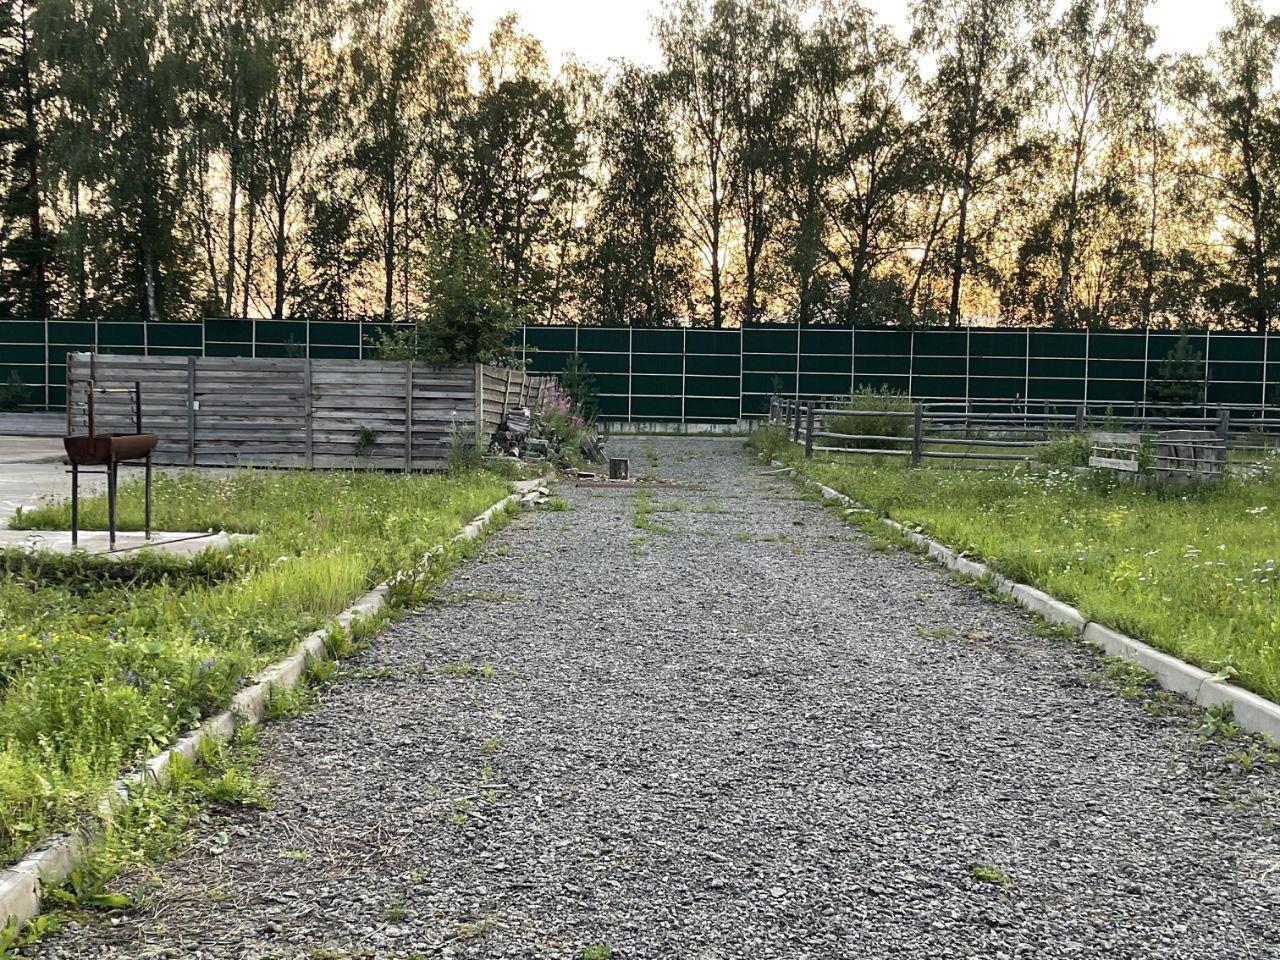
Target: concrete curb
x,y
22,885
1252,713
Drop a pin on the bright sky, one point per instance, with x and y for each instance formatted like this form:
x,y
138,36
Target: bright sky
x,y
601,30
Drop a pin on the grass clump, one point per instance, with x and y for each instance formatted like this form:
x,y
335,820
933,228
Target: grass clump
x,y
987,873
102,662
643,517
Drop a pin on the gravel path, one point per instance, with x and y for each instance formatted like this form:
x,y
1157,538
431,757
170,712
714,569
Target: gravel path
x,y
742,732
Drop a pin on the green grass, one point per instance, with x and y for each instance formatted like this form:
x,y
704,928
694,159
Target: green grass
x,y
643,517
1195,574
987,873
102,662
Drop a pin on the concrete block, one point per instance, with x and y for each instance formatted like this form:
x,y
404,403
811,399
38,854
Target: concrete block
x,y
1052,609
829,494
969,568
53,863
1111,642
19,894
1002,585
937,550
1174,675
251,702
1252,713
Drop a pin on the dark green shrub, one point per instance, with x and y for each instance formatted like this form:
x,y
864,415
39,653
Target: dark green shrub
x,y
1065,450
1178,385
13,393
875,401
576,380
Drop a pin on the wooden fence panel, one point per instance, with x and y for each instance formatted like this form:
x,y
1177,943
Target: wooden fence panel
x,y
295,412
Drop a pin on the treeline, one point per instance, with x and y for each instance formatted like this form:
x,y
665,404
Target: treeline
x,y
1012,161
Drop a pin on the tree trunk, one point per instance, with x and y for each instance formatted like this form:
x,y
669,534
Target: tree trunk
x,y
281,212
233,163
1068,253
1257,255
149,280
929,240
389,260
717,294
957,257
247,275
39,251
1149,261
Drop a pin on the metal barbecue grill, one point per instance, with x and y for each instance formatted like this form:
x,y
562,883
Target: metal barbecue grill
x,y
108,450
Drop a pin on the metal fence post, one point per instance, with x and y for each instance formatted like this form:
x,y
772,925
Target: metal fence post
x,y
808,434
64,360
1266,343
1205,397
684,376
917,431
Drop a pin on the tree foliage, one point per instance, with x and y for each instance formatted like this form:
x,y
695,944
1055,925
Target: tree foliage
x,y
1010,161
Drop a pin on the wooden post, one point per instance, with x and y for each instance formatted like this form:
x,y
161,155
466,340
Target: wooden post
x,y
808,434
917,431
408,415
795,427
191,411
1080,419
479,401
308,424
1224,424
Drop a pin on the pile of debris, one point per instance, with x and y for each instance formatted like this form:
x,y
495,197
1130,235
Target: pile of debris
x,y
520,436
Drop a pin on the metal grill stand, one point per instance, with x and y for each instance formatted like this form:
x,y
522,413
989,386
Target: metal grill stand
x,y
109,450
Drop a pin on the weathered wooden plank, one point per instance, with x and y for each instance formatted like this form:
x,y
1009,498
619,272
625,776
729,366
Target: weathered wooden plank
x,y
1114,463
1117,439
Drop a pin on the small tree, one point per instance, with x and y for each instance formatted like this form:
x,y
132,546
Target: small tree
x,y
1179,381
13,393
576,380
471,314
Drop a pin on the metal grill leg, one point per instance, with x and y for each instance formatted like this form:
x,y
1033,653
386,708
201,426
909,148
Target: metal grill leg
x,y
111,505
75,504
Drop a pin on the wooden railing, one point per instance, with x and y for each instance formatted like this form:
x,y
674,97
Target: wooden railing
x,y
944,433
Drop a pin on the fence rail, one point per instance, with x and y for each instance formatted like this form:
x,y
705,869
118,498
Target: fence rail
x,y
725,376
937,434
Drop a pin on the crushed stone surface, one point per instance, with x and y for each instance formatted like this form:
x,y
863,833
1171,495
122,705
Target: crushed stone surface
x,y
725,725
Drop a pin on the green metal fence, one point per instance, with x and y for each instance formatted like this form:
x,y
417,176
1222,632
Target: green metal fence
x,y
726,375
722,376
